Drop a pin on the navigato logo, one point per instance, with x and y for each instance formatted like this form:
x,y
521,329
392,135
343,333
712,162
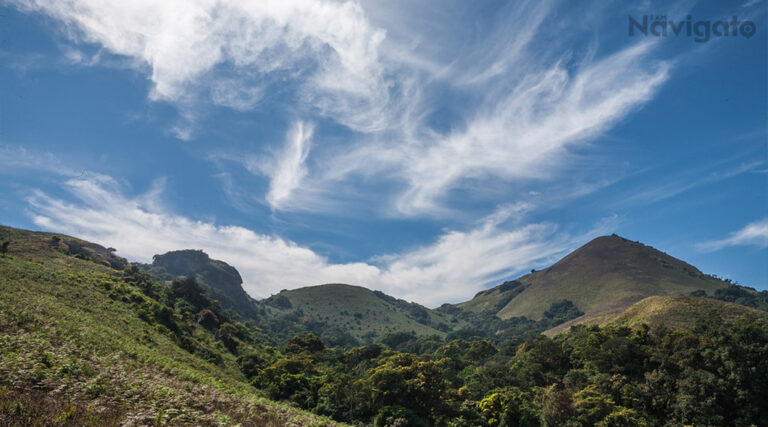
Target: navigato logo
x,y
701,31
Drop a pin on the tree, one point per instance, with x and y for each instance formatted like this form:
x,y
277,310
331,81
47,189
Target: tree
x,y
4,247
305,344
405,380
392,416
509,407
187,288
592,406
557,405
293,378
623,417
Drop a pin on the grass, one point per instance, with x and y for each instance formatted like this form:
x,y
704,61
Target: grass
x,y
75,351
672,312
685,312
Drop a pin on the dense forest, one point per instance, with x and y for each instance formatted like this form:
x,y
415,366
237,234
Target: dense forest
x,y
610,376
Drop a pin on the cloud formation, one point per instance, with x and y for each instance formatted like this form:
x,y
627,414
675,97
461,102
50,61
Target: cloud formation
x,y
232,49
520,96
452,268
753,234
521,135
287,169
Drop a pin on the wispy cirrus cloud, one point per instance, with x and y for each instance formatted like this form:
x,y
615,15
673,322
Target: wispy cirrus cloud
x,y
524,134
753,234
520,94
287,169
202,50
453,267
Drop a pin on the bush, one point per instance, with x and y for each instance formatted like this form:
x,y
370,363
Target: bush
x,y
397,416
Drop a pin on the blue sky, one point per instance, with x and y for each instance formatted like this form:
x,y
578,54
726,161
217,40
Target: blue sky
x,y
427,149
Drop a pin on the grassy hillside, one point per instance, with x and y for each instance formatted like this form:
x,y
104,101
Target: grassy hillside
x,y
687,312
604,276
364,314
674,312
79,345
494,299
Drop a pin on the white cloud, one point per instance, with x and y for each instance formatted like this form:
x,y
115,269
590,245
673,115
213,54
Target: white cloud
x,y
453,268
753,234
520,91
328,47
14,159
520,135
287,169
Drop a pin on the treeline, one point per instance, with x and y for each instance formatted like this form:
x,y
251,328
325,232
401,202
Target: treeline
x,y
592,376
742,295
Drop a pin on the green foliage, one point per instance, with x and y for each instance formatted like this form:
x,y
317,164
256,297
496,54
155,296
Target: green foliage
x,y
509,407
742,295
392,416
293,378
187,289
345,316
561,311
4,247
83,343
305,344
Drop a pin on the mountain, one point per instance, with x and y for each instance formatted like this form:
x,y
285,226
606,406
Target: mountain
x,y
83,342
604,276
364,314
221,280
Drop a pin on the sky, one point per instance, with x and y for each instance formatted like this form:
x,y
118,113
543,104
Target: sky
x,y
427,149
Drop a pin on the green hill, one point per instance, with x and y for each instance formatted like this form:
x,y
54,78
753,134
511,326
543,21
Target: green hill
x,y
605,276
85,343
364,314
674,312
687,312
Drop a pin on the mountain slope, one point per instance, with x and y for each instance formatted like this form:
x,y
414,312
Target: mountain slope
x,y
360,312
606,275
82,344
686,312
674,312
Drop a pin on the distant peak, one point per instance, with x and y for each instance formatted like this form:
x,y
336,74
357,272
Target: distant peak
x,y
611,238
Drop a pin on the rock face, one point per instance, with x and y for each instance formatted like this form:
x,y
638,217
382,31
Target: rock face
x,y
92,252
221,279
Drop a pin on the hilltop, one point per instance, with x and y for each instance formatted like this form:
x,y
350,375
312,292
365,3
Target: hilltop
x,y
221,280
604,276
358,312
